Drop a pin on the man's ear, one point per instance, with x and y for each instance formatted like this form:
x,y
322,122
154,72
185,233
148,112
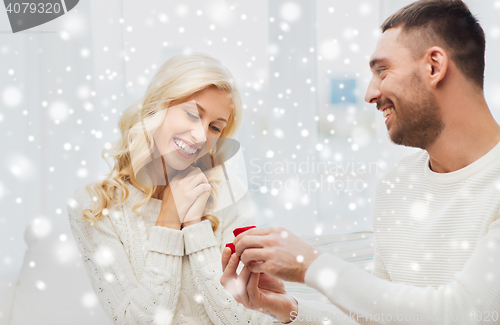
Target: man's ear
x,y
437,62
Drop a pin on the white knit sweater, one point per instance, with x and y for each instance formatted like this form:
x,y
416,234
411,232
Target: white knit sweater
x,y
437,251
147,274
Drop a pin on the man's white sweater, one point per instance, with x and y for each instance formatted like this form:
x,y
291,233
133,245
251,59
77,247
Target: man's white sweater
x,y
147,274
437,252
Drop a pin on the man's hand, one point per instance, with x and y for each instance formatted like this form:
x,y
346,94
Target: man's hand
x,y
276,252
257,291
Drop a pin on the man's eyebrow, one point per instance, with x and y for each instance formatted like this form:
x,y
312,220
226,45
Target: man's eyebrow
x,y
203,110
375,61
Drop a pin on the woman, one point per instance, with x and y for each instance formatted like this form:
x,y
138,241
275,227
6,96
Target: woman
x,y
151,246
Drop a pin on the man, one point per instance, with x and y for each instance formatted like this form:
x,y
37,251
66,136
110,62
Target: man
x,y
436,214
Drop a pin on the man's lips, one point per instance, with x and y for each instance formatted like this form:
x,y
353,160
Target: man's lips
x,y
383,108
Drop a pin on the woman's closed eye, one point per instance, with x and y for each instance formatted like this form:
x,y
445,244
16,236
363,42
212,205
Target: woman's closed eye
x,y
192,116
214,128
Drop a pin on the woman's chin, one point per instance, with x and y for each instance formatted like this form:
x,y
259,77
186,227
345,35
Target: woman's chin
x,y
179,164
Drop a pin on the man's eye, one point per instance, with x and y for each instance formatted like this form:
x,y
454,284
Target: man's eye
x,y
195,117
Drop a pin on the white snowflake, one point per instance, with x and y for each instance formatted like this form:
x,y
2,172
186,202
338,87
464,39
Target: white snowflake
x,y
89,299
41,285
290,11
58,111
12,96
105,256
327,278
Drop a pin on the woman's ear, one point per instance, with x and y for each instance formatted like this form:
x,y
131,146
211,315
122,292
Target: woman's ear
x,y
437,61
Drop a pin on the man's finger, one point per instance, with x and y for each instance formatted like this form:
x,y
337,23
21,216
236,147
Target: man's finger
x,y
226,255
257,267
254,254
249,242
254,232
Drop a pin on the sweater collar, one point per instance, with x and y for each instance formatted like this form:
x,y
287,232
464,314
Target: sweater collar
x,y
152,206
463,173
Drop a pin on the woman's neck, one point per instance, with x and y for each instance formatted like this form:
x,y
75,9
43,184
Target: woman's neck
x,y
158,193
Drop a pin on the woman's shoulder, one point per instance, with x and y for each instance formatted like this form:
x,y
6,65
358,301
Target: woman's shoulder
x,y
81,199
84,196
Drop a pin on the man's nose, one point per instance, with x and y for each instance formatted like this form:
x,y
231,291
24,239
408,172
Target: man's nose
x,y
373,93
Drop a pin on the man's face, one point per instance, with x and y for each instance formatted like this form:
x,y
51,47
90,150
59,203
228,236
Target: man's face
x,y
412,113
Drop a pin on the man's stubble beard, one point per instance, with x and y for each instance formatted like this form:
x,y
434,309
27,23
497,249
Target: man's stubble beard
x,y
419,121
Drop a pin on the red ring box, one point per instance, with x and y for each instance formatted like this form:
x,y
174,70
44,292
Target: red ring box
x,y
236,232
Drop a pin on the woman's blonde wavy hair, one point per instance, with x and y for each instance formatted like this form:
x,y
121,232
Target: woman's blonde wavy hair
x,y
178,78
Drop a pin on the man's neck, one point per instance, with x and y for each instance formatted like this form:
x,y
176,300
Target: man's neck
x,y
463,142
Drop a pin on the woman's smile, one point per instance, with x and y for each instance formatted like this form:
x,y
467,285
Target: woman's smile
x,y
185,149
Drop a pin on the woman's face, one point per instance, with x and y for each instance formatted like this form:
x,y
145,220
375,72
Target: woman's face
x,y
182,137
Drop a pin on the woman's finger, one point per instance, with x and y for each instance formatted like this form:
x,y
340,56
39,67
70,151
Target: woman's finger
x,y
230,270
253,288
183,177
200,189
196,179
226,255
194,171
241,284
229,278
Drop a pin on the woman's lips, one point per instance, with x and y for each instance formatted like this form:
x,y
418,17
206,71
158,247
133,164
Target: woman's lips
x,y
182,153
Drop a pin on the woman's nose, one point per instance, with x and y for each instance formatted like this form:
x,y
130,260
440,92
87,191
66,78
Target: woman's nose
x,y
199,133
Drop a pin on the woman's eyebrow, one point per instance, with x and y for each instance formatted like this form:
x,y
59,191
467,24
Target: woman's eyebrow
x,y
203,110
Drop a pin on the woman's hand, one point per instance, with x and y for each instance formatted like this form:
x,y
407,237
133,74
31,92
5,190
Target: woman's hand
x,y
257,291
168,214
266,281
195,212
190,190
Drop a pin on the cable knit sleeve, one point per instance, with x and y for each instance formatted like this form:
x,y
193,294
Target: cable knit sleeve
x,y
205,257
126,299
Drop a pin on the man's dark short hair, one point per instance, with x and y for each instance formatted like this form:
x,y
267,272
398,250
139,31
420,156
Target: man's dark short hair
x,y
445,23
